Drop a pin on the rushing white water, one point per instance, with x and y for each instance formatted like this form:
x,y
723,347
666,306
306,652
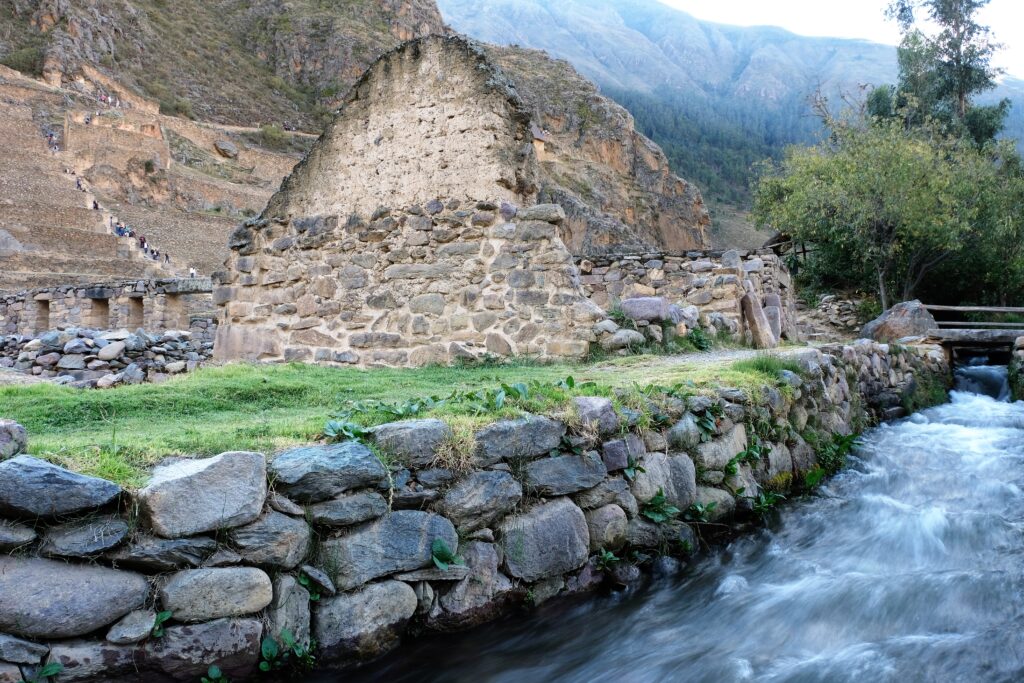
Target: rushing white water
x,y
908,566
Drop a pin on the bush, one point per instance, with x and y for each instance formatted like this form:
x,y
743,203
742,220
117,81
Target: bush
x,y
768,364
273,136
27,60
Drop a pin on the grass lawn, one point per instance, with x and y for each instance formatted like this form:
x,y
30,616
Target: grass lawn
x,y
119,433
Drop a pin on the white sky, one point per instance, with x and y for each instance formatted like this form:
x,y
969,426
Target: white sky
x,y
855,19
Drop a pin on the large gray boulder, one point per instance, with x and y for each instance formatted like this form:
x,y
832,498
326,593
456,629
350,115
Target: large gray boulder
x,y
413,442
151,554
564,474
481,498
204,594
674,475
479,596
312,474
400,541
49,599
274,540
35,488
13,439
348,509
906,319
526,437
190,497
549,540
365,623
184,653
716,454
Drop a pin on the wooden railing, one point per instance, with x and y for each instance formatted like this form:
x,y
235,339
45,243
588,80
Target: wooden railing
x,y
967,331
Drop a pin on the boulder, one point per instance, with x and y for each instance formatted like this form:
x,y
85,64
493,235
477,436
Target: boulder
x,y
526,437
481,498
348,509
14,535
72,361
906,319
477,598
723,501
599,413
674,475
184,653
36,488
757,322
132,628
85,538
716,454
648,308
274,540
612,490
226,148
18,651
607,526
312,474
618,453
151,554
289,610
413,442
549,213
400,541
204,594
564,474
111,351
190,497
623,339
13,439
49,599
549,540
366,623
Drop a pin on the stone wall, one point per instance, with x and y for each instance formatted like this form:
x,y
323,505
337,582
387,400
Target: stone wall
x,y
711,281
96,359
155,305
1016,371
234,558
431,283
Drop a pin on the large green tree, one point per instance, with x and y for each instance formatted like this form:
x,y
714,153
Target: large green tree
x,y
941,71
890,203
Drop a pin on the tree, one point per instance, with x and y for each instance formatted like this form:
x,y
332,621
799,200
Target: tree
x,y
941,73
892,202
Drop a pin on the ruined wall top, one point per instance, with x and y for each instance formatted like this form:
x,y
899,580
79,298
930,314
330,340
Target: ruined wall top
x,y
431,119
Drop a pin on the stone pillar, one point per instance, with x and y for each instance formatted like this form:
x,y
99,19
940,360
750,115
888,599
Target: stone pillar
x,y
757,322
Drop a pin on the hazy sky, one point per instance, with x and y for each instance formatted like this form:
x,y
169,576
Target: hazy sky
x,y
854,19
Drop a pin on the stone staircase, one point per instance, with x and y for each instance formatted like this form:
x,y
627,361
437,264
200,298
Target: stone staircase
x,y
49,235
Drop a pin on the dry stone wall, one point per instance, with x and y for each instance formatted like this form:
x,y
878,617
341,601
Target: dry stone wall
x,y
432,283
236,548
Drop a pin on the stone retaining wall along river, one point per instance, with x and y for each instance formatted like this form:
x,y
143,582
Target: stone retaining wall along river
x,y
356,544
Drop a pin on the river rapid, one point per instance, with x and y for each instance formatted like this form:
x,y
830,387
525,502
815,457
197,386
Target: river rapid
x,y
907,566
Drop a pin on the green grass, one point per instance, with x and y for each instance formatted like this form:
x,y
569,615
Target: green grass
x,y
769,365
118,434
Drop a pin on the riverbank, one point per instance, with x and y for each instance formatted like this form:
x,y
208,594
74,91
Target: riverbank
x,y
428,523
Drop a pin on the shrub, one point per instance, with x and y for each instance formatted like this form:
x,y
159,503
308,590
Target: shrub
x,y
27,60
768,364
273,136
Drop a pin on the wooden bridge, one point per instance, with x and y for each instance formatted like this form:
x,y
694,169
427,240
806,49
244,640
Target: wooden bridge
x,y
961,334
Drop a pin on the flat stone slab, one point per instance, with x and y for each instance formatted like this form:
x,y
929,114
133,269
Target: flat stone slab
x,y
133,627
348,509
35,488
274,540
191,497
455,572
152,554
84,539
21,651
14,535
50,599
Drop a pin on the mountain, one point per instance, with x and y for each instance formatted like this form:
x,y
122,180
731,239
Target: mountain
x,y
225,61
716,98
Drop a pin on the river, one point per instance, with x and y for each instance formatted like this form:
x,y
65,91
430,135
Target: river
x,y
907,566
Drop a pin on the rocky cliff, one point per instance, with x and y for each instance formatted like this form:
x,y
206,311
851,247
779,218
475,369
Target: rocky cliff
x,y
220,60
